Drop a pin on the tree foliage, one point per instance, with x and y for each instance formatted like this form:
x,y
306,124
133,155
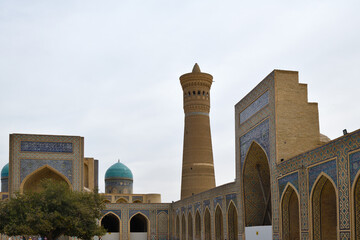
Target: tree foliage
x,y
54,211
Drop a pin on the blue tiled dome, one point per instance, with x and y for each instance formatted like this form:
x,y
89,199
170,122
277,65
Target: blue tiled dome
x,y
118,170
5,171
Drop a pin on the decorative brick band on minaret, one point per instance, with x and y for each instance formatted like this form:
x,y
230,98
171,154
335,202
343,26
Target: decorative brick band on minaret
x,y
198,165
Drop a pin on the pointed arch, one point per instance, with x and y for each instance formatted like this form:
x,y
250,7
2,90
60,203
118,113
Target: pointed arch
x,y
207,224
107,201
32,181
139,223
290,213
324,208
197,225
356,205
232,221
256,187
111,222
183,227
190,226
219,223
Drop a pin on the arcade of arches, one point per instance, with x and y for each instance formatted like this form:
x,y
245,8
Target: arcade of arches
x,y
186,231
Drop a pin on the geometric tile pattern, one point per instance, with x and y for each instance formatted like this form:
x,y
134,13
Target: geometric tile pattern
x,y
218,200
27,166
357,208
259,134
354,165
345,235
256,106
133,212
291,178
117,212
328,167
76,156
230,197
162,226
337,149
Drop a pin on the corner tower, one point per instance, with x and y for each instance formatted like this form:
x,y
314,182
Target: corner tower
x,y
198,166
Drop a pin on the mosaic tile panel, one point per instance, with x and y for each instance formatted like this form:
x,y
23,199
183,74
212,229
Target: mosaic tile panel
x,y
197,206
183,209
46,147
291,178
206,203
260,134
77,156
133,212
27,166
305,236
218,200
162,226
4,197
161,210
230,197
117,212
338,148
254,107
354,161
328,167
344,235
357,209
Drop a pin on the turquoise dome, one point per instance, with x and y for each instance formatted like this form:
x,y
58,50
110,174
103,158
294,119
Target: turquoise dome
x,y
5,171
118,170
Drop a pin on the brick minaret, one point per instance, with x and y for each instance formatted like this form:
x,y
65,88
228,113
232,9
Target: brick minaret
x,y
198,166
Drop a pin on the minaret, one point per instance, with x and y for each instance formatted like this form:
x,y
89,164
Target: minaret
x,y
198,165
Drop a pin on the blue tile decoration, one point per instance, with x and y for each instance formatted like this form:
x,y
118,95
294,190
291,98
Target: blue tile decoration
x,y
133,212
27,166
117,212
183,209
254,107
329,168
260,134
354,160
189,208
5,196
292,178
64,147
206,203
230,197
197,206
218,200
162,210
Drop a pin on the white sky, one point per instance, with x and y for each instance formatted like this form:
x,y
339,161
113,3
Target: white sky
x,y
109,71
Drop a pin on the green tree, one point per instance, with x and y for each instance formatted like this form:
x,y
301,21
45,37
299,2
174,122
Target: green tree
x,y
54,211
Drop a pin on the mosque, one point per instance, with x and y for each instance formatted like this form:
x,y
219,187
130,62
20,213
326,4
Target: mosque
x,y
291,181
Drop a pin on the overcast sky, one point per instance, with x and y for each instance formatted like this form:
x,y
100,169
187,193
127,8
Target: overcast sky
x,y
109,71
